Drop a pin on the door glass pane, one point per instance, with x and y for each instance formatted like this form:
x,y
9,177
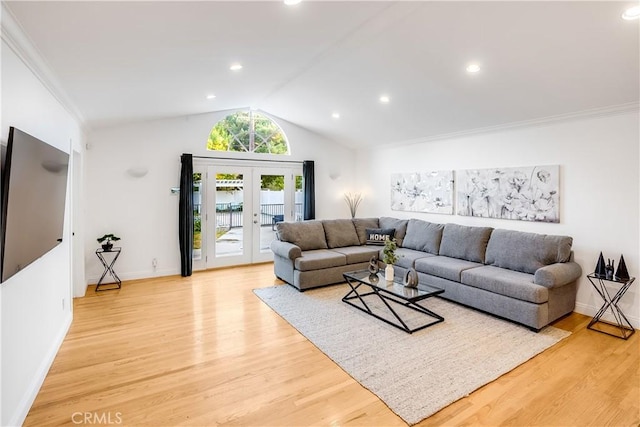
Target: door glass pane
x,y
271,208
229,209
197,216
298,198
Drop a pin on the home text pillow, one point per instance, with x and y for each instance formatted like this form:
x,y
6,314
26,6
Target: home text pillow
x,y
377,236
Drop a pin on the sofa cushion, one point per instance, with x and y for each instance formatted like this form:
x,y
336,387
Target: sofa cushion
x,y
423,236
408,257
357,254
340,232
362,224
378,236
509,283
400,225
319,259
526,252
445,267
463,242
307,235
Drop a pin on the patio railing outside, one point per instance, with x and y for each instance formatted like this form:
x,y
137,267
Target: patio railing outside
x,y
230,214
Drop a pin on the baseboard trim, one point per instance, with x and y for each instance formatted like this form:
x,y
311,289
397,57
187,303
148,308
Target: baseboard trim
x,y
32,391
136,275
591,311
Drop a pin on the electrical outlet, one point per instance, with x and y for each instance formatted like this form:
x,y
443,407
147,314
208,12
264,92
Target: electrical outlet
x,y
62,304
154,263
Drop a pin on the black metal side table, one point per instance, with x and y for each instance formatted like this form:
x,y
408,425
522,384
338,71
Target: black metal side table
x,y
108,268
621,324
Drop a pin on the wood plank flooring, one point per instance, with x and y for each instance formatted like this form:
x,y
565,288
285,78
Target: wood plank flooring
x,y
206,351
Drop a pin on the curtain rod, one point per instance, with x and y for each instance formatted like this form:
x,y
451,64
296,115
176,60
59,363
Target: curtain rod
x,y
248,160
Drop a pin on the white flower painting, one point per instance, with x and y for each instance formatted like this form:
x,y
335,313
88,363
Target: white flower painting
x,y
523,193
422,192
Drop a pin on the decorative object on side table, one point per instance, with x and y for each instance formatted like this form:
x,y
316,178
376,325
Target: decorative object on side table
x,y
609,269
601,270
107,241
389,258
353,201
373,265
411,278
622,274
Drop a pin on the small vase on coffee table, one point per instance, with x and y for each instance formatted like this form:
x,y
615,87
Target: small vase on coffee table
x,y
388,273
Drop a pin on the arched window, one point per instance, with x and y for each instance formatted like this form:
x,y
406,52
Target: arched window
x,y
248,132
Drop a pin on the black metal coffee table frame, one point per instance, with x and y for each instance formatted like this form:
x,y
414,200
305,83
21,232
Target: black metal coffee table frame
x,y
389,293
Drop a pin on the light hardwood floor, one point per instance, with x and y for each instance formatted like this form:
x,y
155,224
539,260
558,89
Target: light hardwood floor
x,y
206,351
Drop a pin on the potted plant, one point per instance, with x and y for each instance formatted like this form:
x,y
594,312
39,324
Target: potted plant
x,y
107,241
389,257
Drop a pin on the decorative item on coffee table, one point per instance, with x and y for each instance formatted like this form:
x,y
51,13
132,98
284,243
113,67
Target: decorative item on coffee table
x,y
373,265
389,258
411,278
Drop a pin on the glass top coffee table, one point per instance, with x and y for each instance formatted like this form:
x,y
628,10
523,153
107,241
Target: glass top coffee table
x,y
375,296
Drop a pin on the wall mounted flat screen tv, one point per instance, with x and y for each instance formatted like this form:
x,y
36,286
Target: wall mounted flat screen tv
x,y
34,190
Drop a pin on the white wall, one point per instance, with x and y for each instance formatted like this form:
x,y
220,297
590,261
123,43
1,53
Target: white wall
x,y
36,308
599,188
144,213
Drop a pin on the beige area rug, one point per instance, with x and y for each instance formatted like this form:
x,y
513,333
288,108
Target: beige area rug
x,y
416,374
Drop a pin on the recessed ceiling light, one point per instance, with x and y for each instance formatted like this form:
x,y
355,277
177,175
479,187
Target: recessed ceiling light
x,y
384,99
291,2
236,67
631,13
211,96
335,115
473,68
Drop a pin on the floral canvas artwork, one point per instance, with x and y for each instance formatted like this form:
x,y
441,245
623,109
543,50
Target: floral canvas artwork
x,y
523,193
422,192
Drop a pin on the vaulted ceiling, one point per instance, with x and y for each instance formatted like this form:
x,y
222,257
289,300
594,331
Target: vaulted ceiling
x,y
120,62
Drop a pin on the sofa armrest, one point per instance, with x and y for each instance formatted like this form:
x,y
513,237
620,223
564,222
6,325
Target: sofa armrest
x,y
286,249
558,274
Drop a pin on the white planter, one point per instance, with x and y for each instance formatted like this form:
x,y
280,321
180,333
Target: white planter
x,y
388,273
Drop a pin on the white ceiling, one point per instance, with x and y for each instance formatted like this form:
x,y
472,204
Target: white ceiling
x,y
128,61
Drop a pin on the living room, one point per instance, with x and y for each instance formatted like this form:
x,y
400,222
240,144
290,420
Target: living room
x,y
595,144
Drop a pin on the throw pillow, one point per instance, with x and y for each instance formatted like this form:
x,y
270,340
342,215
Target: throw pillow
x,y
400,225
361,226
423,236
377,236
340,233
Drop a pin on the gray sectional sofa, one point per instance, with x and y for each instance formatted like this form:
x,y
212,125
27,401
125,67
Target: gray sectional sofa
x,y
524,277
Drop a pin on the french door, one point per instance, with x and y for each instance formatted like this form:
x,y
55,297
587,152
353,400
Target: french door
x,y
239,208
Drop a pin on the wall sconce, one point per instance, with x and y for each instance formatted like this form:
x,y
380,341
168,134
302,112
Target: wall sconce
x,y
137,172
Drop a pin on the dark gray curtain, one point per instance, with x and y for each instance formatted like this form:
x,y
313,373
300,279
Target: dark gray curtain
x,y
185,217
309,190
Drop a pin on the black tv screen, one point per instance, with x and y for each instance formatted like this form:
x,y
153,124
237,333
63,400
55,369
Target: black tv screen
x,y
34,189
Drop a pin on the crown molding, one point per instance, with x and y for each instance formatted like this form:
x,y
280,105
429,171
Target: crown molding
x,y
611,110
17,40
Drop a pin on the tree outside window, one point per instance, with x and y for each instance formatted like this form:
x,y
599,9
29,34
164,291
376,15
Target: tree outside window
x,y
248,132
